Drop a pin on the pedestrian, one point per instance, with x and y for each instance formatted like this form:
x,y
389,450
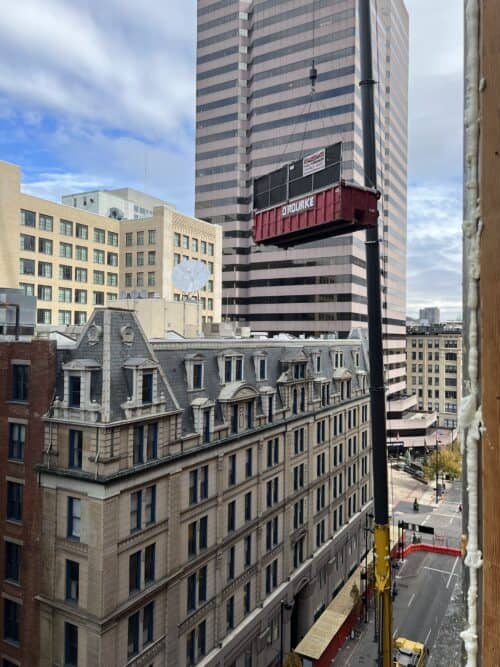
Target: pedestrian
x,y
460,507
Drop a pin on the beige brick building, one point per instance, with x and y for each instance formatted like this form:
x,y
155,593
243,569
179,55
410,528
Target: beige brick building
x,y
202,503
434,370
174,237
73,260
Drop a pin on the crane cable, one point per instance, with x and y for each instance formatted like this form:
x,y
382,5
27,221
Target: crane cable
x,y
313,77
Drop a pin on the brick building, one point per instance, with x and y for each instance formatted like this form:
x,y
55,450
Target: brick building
x,y
27,369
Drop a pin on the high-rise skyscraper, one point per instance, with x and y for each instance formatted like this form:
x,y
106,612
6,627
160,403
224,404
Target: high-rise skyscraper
x,y
255,111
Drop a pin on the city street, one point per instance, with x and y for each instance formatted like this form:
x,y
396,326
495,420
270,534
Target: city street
x,y
445,517
425,582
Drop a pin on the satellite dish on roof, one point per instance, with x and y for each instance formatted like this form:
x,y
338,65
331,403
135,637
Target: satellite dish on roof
x,y
190,275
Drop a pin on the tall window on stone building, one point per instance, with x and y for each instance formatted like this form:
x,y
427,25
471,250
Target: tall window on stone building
x,y
206,425
70,645
230,613
149,564
198,485
74,518
231,516
134,572
247,599
249,409
140,634
231,474
249,463
72,580
75,449
234,418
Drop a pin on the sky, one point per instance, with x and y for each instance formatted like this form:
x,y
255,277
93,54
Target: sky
x,y
100,94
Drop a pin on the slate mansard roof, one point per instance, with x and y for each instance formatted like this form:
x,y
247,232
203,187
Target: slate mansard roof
x,y
113,343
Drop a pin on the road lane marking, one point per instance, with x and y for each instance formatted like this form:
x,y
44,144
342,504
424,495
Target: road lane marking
x,y
452,571
425,520
411,599
427,636
395,633
434,569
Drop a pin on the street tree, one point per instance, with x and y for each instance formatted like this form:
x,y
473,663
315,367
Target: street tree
x,y
449,462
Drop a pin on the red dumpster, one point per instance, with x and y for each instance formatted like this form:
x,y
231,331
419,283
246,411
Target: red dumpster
x,y
339,209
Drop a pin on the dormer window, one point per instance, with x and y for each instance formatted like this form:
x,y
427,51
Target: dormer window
x,y
233,369
228,370
81,385
198,376
195,371
74,397
338,359
299,371
142,381
147,387
260,365
317,363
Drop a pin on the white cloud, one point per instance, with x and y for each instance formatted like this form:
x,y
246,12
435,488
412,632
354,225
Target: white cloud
x,y
435,248
106,162
435,155
435,90
54,184
101,94
97,62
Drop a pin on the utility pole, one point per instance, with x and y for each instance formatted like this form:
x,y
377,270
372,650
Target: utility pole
x,y
383,602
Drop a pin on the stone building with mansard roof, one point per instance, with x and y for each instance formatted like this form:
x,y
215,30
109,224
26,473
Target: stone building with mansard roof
x,y
203,500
